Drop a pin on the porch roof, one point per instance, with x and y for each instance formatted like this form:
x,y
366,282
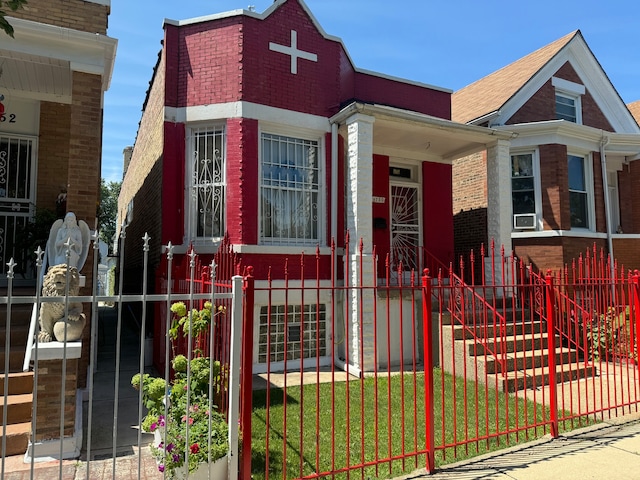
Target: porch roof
x,y
411,135
38,62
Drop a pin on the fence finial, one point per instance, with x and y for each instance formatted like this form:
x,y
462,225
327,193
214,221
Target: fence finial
x,y
169,250
146,239
11,266
39,255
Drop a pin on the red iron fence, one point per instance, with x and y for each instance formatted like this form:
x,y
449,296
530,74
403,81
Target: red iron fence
x,y
375,374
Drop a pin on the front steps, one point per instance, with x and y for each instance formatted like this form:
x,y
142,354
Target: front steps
x,y
19,406
512,360
20,384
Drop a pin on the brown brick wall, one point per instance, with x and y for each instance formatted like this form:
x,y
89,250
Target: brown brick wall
x,y
143,181
542,105
75,14
553,181
555,252
469,182
48,411
629,196
53,152
627,253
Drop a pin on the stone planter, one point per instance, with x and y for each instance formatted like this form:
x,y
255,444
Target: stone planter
x,y
218,469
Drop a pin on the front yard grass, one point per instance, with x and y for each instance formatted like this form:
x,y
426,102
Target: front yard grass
x,y
357,436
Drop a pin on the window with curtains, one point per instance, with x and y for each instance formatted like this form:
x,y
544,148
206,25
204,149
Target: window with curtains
x,y
290,189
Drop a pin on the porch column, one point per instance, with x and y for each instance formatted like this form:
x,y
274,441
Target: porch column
x,y
83,178
359,325
499,219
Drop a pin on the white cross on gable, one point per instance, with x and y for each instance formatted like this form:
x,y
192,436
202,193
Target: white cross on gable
x,y
293,52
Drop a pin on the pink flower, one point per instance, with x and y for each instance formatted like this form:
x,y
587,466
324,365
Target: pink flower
x,y
195,448
161,468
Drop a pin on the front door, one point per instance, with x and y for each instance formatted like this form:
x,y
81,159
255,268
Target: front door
x,y
17,196
405,228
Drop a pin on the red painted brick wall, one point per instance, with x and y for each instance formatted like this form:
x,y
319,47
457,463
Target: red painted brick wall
x,y
229,59
437,218
381,236
242,181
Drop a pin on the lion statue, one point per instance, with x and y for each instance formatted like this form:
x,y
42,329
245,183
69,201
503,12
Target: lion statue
x,y
52,314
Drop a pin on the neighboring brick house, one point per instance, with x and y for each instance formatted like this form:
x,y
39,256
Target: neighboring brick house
x,y
53,75
542,194
244,107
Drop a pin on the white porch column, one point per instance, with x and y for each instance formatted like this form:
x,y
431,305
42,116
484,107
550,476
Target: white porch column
x,y
359,325
499,219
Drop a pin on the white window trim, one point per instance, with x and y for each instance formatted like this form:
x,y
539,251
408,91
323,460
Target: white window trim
x,y
303,134
571,90
190,217
537,185
588,180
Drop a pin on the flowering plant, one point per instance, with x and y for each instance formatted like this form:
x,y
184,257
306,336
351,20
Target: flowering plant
x,y
197,437
191,429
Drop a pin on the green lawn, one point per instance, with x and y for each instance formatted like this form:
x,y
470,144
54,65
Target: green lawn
x,y
334,423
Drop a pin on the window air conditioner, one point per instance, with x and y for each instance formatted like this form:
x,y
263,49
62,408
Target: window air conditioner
x,y
524,221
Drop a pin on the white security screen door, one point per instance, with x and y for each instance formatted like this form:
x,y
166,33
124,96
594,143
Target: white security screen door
x,y
405,227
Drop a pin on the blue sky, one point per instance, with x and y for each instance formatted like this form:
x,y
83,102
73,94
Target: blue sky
x,y
445,43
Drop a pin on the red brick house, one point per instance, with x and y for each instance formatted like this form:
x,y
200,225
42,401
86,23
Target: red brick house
x,y
567,178
259,126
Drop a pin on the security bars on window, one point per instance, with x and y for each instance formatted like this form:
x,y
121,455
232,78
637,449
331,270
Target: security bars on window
x,y
289,190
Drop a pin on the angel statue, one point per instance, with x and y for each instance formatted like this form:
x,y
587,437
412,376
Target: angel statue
x,y
72,233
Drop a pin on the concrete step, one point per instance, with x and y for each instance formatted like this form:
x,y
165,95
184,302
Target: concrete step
x,y
539,377
521,360
19,383
17,438
19,334
508,344
16,358
526,327
18,408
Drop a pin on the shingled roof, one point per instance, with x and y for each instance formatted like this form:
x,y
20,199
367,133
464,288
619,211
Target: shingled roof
x,y
634,108
490,93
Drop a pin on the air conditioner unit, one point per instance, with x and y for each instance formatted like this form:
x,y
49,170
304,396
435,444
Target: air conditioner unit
x,y
524,221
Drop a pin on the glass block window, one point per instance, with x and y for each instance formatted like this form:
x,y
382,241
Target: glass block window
x,y
301,328
207,181
289,190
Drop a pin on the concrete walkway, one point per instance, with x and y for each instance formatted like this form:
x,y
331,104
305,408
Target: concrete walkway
x,y
609,450
102,464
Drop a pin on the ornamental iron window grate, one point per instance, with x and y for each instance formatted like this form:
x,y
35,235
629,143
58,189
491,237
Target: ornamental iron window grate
x,y
208,181
17,195
290,190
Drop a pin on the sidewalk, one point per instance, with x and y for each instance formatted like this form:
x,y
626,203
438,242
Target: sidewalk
x,y
102,463
609,450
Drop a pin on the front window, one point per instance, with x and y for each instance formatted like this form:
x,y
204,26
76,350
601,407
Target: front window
x,y
207,181
566,108
289,190
578,193
523,196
